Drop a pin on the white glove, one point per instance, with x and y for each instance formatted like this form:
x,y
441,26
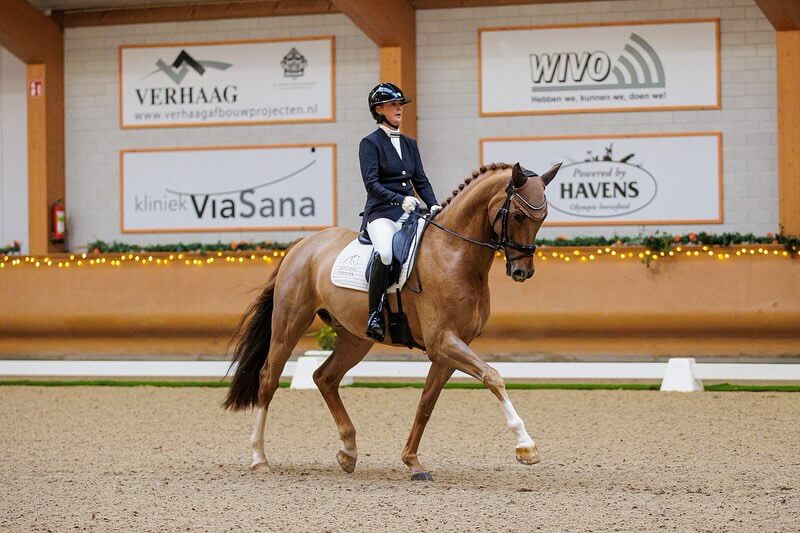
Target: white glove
x,y
410,203
435,209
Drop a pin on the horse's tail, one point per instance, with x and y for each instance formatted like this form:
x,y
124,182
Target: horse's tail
x,y
251,346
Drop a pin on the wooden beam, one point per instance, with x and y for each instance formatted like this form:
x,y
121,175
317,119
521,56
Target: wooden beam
x,y
444,4
397,65
788,81
191,12
784,15
386,23
39,42
393,28
28,34
45,153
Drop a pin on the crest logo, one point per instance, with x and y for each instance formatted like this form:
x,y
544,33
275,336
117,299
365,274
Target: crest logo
x,y
294,64
179,68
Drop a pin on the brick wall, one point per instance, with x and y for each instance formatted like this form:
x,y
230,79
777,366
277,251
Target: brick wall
x,y
449,126
93,137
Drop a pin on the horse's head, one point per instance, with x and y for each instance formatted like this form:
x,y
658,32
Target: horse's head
x,y
517,214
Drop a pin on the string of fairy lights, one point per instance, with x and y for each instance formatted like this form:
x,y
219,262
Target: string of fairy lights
x,y
196,259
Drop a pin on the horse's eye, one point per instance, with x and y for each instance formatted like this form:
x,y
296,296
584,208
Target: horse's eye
x,y
518,216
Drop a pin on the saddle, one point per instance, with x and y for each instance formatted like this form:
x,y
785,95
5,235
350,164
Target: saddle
x,y
352,267
401,248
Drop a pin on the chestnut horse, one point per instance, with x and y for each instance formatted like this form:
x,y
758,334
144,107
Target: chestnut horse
x,y
497,209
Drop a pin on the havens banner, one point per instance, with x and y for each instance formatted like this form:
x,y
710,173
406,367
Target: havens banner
x,y
605,67
623,179
247,82
228,189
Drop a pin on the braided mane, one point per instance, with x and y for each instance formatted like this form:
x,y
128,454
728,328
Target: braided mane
x,y
476,175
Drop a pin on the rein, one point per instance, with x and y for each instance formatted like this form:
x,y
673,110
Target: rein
x,y
505,243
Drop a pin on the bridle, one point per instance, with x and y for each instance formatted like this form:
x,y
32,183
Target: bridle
x,y
505,243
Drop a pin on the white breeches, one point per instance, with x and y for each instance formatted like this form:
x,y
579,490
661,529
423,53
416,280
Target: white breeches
x,y
381,231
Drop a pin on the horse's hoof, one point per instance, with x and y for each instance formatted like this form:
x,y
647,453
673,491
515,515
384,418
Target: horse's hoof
x,y
347,462
421,476
259,466
528,454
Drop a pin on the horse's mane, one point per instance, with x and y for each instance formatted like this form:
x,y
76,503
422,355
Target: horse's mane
x,y
476,175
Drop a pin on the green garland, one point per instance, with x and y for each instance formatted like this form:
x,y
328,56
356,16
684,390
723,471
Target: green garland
x,y
657,242
103,247
13,248
662,242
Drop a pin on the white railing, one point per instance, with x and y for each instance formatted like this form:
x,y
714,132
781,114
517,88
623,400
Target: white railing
x,y
678,374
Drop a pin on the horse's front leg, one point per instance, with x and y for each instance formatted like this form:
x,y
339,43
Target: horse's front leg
x,y
452,351
437,377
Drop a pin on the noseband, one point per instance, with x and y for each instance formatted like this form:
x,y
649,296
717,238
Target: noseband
x,y
505,243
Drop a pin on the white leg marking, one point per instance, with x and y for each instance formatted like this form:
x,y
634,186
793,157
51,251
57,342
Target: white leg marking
x,y
257,438
515,423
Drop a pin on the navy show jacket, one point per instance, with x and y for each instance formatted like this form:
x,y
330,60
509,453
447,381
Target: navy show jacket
x,y
388,178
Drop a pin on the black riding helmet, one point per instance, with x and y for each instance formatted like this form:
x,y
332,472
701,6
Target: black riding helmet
x,y
383,93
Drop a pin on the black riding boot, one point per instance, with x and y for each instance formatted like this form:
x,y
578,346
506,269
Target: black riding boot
x,y
378,282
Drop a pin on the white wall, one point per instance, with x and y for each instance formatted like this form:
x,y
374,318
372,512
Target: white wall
x,y
449,126
13,152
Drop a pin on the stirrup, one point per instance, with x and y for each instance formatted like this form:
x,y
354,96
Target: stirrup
x,y
376,327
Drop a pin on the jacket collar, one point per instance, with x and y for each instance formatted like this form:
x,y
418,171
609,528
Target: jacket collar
x,y
387,144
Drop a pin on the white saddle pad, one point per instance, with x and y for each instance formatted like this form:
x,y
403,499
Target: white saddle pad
x,y
349,269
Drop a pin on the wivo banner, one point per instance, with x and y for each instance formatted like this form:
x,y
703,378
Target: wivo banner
x,y
637,179
624,66
236,82
287,187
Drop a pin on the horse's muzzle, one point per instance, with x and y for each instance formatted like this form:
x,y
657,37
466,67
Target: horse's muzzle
x,y
521,275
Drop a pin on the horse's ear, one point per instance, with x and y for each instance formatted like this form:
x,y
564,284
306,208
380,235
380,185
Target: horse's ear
x,y
548,176
518,176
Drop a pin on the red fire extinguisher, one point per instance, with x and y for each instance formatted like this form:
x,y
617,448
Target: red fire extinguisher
x,y
59,221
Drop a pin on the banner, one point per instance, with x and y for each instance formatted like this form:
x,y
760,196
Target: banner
x,y
626,66
623,179
237,82
244,188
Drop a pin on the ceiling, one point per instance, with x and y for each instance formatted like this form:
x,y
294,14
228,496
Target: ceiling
x,y
101,5
67,5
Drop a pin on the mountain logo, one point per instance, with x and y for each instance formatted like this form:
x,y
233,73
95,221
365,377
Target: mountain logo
x,y
570,71
294,64
182,65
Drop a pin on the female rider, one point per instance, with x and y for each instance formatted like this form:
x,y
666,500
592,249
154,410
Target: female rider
x,y
390,166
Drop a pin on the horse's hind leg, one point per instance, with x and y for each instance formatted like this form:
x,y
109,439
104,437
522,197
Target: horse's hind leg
x,y
288,326
348,352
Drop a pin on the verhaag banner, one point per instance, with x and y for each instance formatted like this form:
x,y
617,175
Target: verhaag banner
x,y
236,82
210,189
637,179
626,66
